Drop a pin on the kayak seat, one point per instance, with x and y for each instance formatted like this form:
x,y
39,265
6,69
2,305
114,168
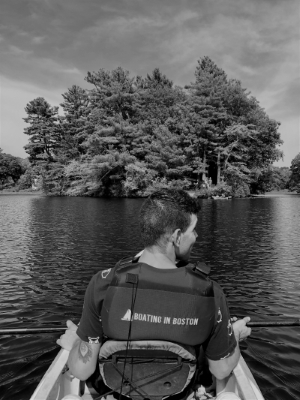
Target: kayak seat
x,y
146,369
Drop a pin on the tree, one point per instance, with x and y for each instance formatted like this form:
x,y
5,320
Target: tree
x,y
165,155
124,112
43,132
156,100
207,115
10,167
237,136
27,179
113,93
294,181
128,134
73,123
101,175
157,79
50,144
138,178
264,150
271,178
197,128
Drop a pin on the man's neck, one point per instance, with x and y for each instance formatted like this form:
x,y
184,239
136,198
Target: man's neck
x,y
155,257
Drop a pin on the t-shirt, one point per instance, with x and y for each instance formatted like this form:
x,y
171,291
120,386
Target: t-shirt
x,y
220,343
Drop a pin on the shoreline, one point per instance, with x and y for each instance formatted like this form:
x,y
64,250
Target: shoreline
x,y
276,193
273,193
20,193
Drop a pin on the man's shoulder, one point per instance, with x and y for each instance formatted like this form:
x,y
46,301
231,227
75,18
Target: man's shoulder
x,y
106,275
103,277
218,291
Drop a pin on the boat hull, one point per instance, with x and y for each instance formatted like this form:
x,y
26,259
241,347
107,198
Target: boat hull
x,y
58,383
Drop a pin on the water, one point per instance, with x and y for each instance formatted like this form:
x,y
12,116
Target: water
x,y
50,248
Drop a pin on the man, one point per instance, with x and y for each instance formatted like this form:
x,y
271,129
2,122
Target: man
x,y
168,220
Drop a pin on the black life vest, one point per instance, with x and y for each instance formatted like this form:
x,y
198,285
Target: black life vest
x,y
147,303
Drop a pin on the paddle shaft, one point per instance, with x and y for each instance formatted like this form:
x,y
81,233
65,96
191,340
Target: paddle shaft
x,y
26,331
251,324
262,324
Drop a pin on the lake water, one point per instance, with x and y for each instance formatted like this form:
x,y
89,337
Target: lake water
x,y
51,247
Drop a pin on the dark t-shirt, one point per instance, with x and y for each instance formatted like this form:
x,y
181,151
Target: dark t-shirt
x,y
220,344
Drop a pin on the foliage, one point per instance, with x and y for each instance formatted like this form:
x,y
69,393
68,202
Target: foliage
x,y
223,189
281,176
43,132
138,178
126,136
271,178
73,123
10,168
26,180
294,181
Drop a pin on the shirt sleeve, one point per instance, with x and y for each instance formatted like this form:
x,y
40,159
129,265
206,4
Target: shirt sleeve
x,y
222,341
90,326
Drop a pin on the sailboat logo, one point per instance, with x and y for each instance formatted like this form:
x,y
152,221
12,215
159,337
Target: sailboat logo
x,y
127,316
105,273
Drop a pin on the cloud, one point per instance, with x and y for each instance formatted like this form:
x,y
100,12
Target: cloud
x,y
50,44
71,71
38,39
16,51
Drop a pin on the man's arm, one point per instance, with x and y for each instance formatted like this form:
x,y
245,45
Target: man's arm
x,y
223,368
83,359
85,341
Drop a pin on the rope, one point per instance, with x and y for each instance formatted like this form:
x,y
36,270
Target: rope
x,y
133,298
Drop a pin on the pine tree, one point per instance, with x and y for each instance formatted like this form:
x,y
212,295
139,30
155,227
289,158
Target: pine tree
x,y
73,123
207,117
43,130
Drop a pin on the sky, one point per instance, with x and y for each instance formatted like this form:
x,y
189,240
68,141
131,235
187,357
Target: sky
x,y
46,46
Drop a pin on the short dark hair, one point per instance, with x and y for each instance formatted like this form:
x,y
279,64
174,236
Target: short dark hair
x,y
165,211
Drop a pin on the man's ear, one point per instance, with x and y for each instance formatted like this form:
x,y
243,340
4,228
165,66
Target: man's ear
x,y
176,237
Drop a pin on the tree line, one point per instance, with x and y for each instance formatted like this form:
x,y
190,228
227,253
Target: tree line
x,y
126,136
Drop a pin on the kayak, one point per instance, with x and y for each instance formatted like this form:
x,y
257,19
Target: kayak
x,y
59,384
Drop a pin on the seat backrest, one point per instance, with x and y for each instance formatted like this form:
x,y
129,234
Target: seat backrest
x,y
147,369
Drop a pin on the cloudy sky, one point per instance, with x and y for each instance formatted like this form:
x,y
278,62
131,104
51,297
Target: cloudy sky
x,y
46,46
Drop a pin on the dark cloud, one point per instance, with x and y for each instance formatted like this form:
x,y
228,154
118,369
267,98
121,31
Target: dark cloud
x,y
92,34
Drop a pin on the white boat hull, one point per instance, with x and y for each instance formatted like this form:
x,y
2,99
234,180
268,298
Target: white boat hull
x,y
57,383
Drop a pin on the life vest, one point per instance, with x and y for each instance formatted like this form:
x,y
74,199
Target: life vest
x,y
147,303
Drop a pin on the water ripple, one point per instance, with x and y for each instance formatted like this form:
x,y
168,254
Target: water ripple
x,y
50,248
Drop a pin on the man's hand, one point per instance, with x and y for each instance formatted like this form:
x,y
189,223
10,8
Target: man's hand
x,y
241,330
67,340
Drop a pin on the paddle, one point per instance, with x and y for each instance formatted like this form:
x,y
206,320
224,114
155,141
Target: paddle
x,y
261,324
251,324
25,331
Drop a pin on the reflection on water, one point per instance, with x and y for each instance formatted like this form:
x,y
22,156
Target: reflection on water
x,y
50,248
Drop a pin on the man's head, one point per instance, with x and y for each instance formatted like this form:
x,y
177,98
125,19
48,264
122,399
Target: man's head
x,y
170,215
